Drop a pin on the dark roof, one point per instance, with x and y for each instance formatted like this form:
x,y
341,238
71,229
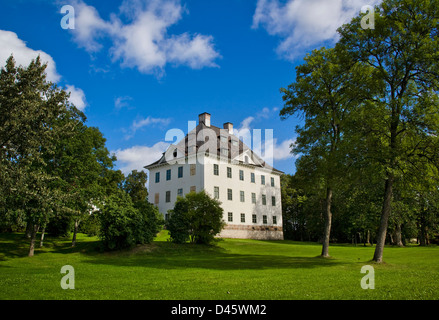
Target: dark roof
x,y
212,141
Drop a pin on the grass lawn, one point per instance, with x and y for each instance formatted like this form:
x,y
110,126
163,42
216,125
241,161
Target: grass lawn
x,y
230,269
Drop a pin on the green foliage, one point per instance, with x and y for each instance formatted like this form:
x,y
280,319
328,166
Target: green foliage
x,y
122,225
53,166
135,186
151,216
371,130
196,217
30,110
60,224
90,225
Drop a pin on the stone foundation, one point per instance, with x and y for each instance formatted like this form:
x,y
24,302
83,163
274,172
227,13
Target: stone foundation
x,y
252,232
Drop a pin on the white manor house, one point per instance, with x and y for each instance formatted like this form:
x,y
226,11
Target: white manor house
x,y
215,160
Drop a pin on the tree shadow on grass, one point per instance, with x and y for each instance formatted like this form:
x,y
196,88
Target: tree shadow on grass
x,y
167,255
170,256
16,245
13,245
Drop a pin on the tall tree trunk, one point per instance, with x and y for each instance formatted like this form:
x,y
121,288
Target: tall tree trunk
x,y
33,236
29,227
398,236
42,236
75,231
328,221
385,213
423,236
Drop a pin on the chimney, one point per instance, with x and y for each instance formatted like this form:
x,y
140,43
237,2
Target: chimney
x,y
229,127
204,118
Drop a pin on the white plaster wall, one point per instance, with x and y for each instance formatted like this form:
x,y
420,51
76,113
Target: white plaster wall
x,y
205,179
247,207
174,184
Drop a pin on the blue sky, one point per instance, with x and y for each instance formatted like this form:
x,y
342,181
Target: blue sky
x,y
138,68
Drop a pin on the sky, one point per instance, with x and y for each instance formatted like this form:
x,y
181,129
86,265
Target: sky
x,y
140,68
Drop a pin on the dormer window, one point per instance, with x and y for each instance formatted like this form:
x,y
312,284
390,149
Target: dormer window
x,y
246,159
175,153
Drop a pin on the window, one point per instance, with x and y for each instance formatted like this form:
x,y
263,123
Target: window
x,y
193,169
263,179
229,194
254,219
272,181
168,174
156,198
264,199
193,189
175,153
157,177
224,152
235,143
224,139
274,219
229,172
273,201
264,219
253,197
216,170
168,196
180,192
246,159
252,177
241,196
216,192
242,217
180,172
230,217
241,175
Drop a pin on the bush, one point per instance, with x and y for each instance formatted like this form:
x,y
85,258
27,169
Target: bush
x,y
196,217
152,218
122,225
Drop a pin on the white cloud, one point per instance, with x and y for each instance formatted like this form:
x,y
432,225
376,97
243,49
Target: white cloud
x,y
245,125
304,24
89,27
77,97
23,55
136,157
282,151
144,42
196,53
148,121
122,102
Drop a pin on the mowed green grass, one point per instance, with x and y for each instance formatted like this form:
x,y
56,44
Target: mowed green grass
x,y
229,269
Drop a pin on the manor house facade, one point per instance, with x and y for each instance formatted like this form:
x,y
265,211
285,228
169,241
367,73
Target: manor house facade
x,y
215,160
